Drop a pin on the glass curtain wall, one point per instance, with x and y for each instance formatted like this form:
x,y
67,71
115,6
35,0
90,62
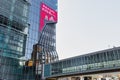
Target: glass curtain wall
x,y
13,34
33,29
48,43
32,37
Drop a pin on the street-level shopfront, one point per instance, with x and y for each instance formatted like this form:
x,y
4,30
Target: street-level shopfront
x,y
100,76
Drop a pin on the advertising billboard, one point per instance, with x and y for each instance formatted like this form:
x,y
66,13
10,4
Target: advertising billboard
x,y
46,14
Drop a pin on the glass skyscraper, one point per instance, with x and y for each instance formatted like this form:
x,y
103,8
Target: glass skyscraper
x,y
42,31
13,36
24,23
13,27
42,34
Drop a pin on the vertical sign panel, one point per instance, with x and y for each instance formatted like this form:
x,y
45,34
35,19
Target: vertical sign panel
x,y
48,14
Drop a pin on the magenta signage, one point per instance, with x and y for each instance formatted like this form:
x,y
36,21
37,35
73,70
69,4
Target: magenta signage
x,y
48,14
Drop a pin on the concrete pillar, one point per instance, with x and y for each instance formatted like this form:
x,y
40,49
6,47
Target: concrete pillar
x,y
99,78
81,78
69,78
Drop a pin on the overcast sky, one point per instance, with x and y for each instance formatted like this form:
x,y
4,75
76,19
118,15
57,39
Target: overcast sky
x,y
86,26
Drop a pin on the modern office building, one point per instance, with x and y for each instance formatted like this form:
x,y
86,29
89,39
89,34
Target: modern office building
x,y
13,35
42,29
28,47
43,19
24,23
101,65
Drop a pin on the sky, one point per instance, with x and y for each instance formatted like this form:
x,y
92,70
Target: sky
x,y
86,26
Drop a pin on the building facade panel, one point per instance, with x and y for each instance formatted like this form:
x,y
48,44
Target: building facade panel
x,y
45,38
13,27
13,36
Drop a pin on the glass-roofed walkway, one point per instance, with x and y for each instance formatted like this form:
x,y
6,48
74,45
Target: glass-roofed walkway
x,y
101,61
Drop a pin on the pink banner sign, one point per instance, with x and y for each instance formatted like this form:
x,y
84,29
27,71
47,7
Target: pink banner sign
x,y
48,14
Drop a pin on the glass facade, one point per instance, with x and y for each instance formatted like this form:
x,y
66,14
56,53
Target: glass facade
x,y
13,27
33,30
13,35
98,61
47,39
48,43
35,35
19,31
10,69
